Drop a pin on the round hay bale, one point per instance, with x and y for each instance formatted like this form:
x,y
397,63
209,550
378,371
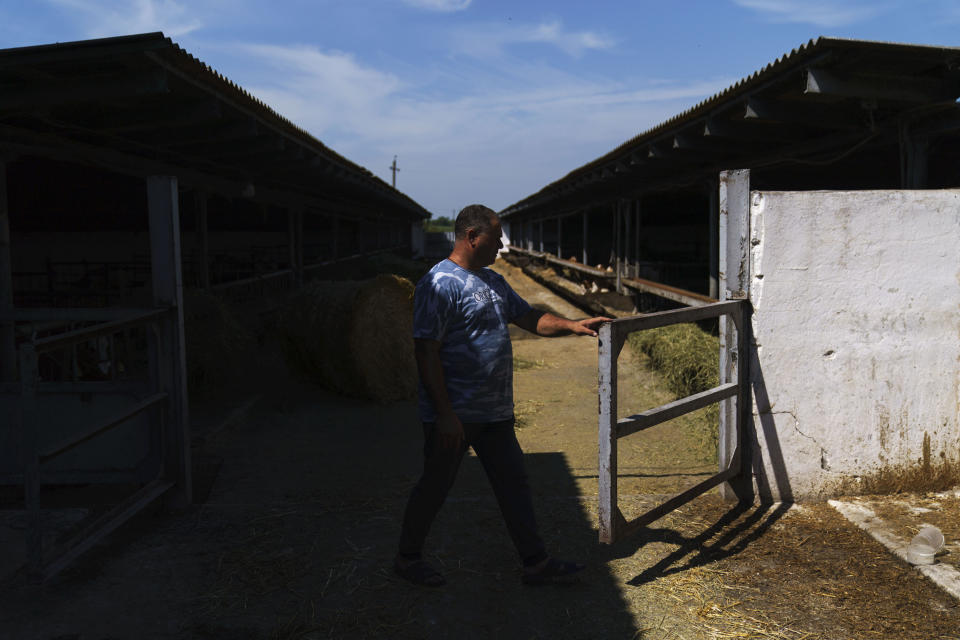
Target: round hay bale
x,y
354,337
216,341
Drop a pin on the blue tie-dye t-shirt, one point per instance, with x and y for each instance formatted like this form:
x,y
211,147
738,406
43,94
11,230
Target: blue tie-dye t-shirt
x,y
468,312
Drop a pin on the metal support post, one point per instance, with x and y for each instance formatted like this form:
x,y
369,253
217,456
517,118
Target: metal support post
x,y
541,235
336,237
559,237
298,250
607,435
203,239
734,284
292,245
8,345
164,220
639,209
915,151
29,452
617,243
585,227
627,220
713,237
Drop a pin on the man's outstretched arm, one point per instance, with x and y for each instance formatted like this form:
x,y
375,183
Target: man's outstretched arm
x,y
548,325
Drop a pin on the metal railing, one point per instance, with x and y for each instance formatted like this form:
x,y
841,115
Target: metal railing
x,y
683,296
733,384
46,563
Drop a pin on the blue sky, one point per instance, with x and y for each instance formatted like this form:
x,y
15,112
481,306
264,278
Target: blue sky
x,y
482,101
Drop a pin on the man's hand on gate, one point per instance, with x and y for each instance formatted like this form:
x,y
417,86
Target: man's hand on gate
x,y
588,326
548,325
450,431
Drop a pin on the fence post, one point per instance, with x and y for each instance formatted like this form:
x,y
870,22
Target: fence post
x,y
607,439
734,275
164,220
29,452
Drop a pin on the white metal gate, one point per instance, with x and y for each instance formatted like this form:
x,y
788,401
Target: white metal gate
x,y
733,392
734,383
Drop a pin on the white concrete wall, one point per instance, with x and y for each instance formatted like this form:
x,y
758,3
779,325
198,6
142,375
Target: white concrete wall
x,y
857,326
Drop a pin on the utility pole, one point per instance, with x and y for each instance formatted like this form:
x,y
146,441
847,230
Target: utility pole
x,y
394,168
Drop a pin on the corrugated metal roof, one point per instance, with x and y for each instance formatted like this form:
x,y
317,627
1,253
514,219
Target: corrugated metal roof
x,y
169,55
812,51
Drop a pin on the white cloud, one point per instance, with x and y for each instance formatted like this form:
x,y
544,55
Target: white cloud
x,y
324,89
102,18
484,41
822,13
496,140
439,5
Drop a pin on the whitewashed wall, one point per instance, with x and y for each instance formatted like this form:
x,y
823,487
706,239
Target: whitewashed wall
x,y
857,326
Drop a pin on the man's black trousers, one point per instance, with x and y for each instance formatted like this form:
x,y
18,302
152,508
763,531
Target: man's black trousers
x,y
495,444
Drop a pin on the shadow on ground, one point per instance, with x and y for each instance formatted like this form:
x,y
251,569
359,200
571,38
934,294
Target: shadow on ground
x,y
295,540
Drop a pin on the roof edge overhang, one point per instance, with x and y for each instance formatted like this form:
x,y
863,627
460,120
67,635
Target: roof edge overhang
x,y
802,57
170,59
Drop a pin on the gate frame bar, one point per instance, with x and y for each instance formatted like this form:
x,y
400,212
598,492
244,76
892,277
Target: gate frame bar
x,y
734,310
613,525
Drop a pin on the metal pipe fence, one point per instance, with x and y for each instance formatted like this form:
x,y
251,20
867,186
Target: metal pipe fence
x,y
35,454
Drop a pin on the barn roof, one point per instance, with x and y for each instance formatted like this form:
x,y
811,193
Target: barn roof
x,y
827,97
142,104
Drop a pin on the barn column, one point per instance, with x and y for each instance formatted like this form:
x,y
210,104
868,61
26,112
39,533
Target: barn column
x,y
336,236
627,235
292,245
713,239
203,239
914,153
541,235
165,267
614,234
639,212
8,353
585,236
298,248
617,243
560,237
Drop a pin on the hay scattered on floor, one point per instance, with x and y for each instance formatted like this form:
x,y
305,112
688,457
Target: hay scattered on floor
x,y
520,363
524,411
687,356
354,337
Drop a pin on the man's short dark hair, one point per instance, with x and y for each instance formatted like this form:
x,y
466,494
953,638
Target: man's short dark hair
x,y
474,216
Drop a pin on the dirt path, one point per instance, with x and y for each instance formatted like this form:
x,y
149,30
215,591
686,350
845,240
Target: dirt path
x,y
295,536
555,388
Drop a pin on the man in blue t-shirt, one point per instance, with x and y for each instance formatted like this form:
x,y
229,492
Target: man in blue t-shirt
x,y
462,344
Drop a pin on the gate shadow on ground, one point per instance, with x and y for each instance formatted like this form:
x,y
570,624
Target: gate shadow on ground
x,y
740,526
744,522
